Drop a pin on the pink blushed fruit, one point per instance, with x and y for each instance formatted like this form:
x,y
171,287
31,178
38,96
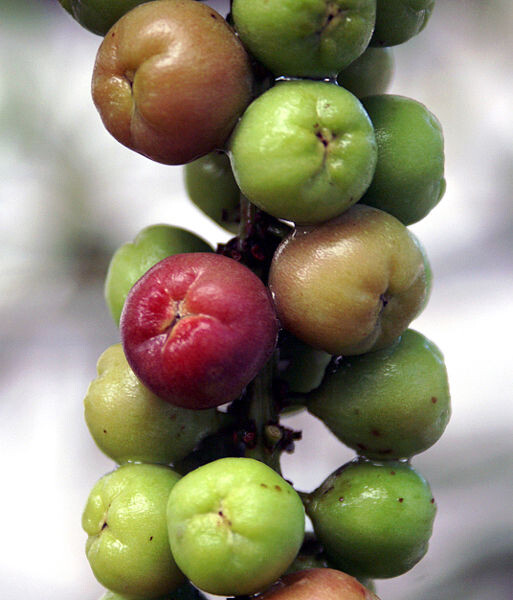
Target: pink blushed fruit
x,y
197,328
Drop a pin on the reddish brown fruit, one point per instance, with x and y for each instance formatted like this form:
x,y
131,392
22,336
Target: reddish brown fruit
x,y
171,79
318,584
197,328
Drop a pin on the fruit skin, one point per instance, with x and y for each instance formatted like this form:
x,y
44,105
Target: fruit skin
x,y
305,38
197,328
397,21
211,186
301,366
373,519
351,285
300,369
393,403
98,16
304,151
317,584
171,79
125,519
370,74
234,526
133,259
129,423
409,178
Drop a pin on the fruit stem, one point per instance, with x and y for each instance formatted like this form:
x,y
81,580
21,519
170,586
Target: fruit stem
x,y
247,219
262,412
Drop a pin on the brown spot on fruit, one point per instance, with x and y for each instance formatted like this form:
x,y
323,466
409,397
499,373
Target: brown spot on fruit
x,y
151,538
277,488
401,499
434,400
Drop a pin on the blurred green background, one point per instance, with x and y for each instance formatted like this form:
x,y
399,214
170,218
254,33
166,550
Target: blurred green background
x,y
70,195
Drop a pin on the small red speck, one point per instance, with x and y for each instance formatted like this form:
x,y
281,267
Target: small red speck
x,y
401,499
341,499
434,400
392,472
432,500
248,437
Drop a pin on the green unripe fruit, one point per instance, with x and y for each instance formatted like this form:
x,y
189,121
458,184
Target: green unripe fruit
x,y
427,270
234,526
369,74
304,151
98,16
212,188
392,403
399,20
305,38
373,520
130,423
409,177
301,366
125,519
133,259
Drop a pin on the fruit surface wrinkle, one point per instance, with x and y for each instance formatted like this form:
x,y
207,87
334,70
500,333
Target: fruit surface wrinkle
x,y
333,12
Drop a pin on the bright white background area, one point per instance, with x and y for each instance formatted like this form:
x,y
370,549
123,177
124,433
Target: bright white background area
x,y
70,195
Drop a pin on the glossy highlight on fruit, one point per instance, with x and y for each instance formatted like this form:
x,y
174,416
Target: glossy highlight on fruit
x,y
197,328
234,526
